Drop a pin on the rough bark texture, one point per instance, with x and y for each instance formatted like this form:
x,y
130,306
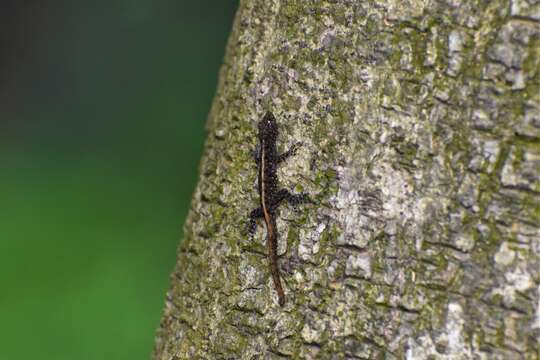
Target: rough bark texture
x,y
421,130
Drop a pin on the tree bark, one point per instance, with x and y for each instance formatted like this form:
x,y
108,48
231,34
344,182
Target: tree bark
x,y
421,153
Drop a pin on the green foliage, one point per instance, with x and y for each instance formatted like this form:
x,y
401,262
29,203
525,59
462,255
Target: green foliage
x,y
97,177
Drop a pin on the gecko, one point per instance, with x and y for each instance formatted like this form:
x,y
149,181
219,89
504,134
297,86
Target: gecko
x,y
271,196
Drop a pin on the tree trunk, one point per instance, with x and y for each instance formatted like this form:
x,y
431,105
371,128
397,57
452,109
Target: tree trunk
x,y
421,154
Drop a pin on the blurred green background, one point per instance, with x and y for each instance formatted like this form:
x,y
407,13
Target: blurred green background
x,y
102,112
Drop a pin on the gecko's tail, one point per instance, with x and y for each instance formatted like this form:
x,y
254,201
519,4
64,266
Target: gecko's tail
x,y
273,259
279,289
277,283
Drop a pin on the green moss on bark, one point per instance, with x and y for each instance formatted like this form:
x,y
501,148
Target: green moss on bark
x,y
421,160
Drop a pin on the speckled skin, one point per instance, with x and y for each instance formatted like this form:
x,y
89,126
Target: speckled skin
x,y
267,159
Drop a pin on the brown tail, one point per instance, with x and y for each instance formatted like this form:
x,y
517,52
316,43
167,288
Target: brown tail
x,y
271,243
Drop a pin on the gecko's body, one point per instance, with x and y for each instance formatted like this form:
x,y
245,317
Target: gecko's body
x,y
270,196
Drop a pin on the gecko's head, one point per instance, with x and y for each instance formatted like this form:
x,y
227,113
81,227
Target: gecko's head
x,y
268,126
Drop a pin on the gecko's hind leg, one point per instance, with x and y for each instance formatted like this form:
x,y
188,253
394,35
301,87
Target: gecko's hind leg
x,y
253,216
293,199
